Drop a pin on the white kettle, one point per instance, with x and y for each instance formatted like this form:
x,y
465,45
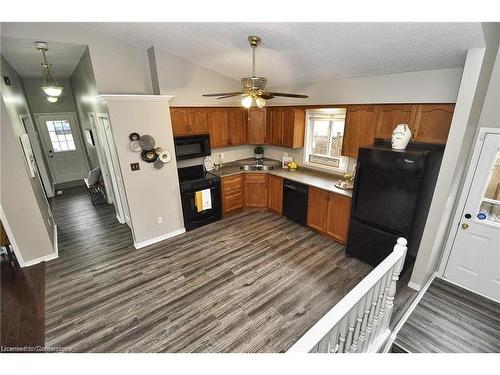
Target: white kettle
x,y
401,137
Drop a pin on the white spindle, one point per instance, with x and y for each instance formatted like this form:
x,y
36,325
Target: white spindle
x,y
342,335
334,340
359,321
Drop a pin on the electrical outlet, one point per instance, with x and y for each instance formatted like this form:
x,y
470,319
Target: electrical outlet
x,y
159,219
134,166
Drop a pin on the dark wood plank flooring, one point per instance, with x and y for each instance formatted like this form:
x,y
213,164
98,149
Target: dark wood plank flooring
x,y
22,307
254,282
449,319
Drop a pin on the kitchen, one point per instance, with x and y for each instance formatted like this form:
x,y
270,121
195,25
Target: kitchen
x,y
309,195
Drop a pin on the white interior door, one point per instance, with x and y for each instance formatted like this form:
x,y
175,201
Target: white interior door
x,y
100,140
64,147
474,261
121,204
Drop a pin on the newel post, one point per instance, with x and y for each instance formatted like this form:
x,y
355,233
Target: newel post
x,y
399,248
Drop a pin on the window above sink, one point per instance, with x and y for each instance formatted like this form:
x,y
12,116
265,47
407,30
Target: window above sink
x,y
323,139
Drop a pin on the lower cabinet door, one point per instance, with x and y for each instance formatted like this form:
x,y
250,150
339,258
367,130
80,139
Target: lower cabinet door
x,y
337,216
256,190
275,194
316,209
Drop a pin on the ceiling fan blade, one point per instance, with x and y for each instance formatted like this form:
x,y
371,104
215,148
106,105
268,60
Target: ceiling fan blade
x,y
225,93
230,96
286,95
265,95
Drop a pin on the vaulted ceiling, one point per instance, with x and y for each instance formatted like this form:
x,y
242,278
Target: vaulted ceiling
x,y
306,52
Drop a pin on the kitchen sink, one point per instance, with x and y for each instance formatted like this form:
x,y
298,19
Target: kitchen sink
x,y
248,167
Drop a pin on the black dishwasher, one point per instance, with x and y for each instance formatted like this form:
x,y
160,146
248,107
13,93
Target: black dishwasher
x,y
295,201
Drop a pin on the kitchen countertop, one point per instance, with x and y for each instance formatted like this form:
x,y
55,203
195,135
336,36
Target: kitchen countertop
x,y
303,175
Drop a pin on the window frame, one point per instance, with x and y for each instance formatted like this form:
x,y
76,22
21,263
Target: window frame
x,y
307,151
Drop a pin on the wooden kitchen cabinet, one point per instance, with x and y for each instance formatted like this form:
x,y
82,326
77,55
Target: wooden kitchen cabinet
x,y
256,127
232,193
432,123
317,202
359,130
329,213
217,119
275,199
237,126
338,216
286,126
389,116
255,190
188,120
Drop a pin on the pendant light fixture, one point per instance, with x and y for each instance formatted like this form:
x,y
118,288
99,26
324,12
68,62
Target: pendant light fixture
x,y
50,86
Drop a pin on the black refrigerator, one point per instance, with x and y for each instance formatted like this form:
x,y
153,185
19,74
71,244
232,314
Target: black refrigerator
x,y
392,193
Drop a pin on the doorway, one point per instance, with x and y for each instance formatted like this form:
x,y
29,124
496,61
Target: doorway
x,y
474,260
63,146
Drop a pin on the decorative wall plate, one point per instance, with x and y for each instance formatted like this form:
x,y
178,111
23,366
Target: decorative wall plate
x,y
147,142
135,146
134,136
158,150
158,164
165,156
149,156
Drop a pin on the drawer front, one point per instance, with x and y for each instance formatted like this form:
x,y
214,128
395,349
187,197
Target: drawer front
x,y
256,177
233,202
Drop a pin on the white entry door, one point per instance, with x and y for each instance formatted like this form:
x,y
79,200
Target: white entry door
x,y
474,262
63,146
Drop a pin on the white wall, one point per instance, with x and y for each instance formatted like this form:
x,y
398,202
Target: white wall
x,y
22,198
85,93
118,66
150,192
187,81
490,114
476,78
433,86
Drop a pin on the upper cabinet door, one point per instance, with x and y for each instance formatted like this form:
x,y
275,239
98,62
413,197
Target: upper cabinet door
x,y
359,130
197,120
389,116
293,127
179,118
217,119
237,126
256,128
432,123
275,116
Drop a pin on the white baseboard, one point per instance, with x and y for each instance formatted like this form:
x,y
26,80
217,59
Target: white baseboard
x,y
139,245
414,286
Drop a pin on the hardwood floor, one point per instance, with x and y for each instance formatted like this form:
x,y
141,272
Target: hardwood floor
x,y
22,307
254,282
449,319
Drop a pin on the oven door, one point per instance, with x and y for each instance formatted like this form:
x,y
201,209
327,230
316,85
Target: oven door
x,y
192,147
193,218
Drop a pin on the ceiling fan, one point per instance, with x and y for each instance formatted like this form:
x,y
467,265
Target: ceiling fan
x,y
253,87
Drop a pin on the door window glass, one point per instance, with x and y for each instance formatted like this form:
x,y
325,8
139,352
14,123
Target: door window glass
x,y
60,135
490,202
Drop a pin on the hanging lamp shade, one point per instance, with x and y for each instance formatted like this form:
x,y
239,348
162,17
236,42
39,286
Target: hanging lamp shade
x,y
50,86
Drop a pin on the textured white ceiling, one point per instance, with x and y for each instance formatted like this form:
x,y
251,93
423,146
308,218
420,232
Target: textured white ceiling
x,y
307,52
25,58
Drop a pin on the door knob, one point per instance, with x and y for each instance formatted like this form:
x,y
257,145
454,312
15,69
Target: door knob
x,y
465,226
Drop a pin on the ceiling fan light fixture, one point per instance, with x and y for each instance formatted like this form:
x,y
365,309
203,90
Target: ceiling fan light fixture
x,y
52,99
247,101
261,103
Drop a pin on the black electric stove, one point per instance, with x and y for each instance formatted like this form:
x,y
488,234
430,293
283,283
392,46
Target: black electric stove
x,y
193,179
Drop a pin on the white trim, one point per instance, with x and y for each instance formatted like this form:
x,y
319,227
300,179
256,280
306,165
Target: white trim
x,y
106,98
139,245
402,321
414,286
15,246
457,218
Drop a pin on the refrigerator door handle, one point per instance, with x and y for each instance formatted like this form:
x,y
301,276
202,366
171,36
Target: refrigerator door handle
x,y
355,192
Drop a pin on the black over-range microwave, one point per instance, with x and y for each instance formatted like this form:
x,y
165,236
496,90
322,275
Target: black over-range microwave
x,y
192,146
